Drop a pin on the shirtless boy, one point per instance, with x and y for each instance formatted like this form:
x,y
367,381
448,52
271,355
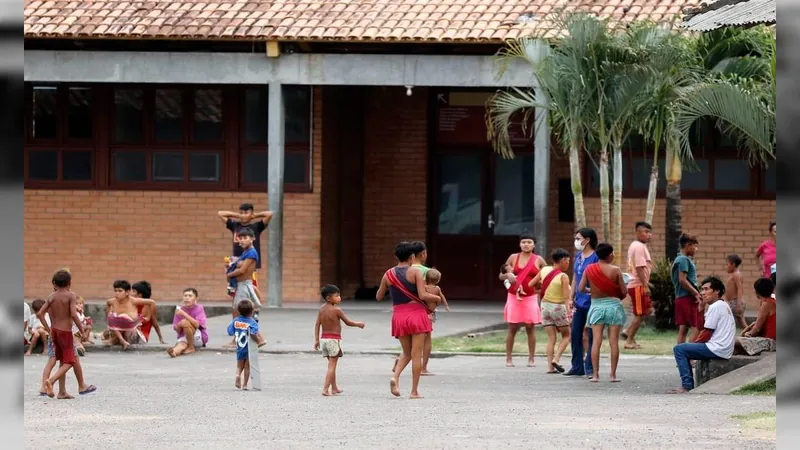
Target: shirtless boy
x,y
62,311
123,315
734,290
330,319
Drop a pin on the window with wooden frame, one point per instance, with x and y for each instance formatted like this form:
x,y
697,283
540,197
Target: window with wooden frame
x,y
719,171
59,136
167,137
254,110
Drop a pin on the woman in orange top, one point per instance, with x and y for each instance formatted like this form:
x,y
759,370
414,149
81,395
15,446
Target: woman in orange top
x,y
760,335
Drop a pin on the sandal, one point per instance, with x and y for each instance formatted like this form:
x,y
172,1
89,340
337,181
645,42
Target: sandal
x,y
558,367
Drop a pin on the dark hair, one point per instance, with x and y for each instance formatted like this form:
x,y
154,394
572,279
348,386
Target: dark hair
x,y
246,231
604,250
417,247
62,279
246,207
122,284
403,251
245,308
37,305
192,290
773,277
328,290
715,284
591,235
772,224
735,259
764,287
527,235
687,239
643,224
559,254
143,288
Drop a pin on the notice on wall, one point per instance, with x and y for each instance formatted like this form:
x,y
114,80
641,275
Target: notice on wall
x,y
466,125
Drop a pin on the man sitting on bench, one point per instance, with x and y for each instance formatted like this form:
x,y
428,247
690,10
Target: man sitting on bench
x,y
715,341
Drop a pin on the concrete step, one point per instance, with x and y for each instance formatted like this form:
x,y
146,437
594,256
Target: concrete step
x,y
761,370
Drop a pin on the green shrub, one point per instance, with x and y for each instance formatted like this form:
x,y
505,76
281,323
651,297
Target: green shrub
x,y
662,294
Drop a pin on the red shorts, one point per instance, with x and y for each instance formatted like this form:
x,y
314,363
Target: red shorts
x,y
686,311
700,319
640,301
63,345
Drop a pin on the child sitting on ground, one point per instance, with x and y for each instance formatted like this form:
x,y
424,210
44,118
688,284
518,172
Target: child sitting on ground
x,y
506,268
84,334
35,328
432,279
330,319
241,328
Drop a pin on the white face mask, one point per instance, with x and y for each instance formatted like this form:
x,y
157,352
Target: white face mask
x,y
579,245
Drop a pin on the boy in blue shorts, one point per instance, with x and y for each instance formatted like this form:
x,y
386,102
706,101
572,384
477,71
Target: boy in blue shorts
x,y
241,328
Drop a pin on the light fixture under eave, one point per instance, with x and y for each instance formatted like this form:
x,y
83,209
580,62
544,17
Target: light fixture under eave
x,y
409,91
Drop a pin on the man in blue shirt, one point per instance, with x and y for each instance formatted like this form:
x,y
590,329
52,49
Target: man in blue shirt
x,y
585,243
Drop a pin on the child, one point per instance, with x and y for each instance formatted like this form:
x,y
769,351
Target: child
x,y
62,313
432,279
144,290
330,318
241,328
123,316
37,331
733,289
506,268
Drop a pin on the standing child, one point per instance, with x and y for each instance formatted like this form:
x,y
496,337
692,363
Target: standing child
x,y
62,311
733,289
330,318
36,330
241,328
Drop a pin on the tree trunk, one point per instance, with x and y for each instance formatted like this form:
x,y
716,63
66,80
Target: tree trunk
x,y
577,188
617,171
674,229
651,194
604,193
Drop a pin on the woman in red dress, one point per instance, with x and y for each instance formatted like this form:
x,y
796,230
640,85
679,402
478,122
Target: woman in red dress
x,y
410,321
522,303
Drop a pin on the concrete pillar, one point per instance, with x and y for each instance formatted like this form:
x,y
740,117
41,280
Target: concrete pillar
x,y
275,159
541,176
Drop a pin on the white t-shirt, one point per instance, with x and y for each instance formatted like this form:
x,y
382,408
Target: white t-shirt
x,y
719,318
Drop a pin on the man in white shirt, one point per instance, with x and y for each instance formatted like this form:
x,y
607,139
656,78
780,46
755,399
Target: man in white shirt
x,y
715,341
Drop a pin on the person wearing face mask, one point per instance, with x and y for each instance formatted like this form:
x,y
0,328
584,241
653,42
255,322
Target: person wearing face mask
x,y
585,244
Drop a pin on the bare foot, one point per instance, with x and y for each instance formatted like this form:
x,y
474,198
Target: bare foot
x,y
613,379
530,363
327,394
509,363
189,351
65,396
594,379
28,353
425,373
633,346
680,390
337,391
171,352
125,346
238,382
392,387
244,388
415,396
48,389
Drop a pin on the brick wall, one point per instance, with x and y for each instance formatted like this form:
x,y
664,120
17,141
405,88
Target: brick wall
x,y
395,175
172,239
722,227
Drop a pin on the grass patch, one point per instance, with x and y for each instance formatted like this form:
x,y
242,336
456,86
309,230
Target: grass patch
x,y
653,343
758,422
766,387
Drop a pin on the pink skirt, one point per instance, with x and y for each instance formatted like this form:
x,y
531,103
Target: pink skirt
x,y
410,318
525,311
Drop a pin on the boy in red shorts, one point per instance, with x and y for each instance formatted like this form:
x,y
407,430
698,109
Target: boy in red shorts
x,y
62,309
639,267
687,296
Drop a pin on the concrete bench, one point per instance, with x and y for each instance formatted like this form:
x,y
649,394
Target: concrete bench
x,y
710,369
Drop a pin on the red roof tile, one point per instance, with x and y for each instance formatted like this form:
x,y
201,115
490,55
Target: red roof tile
x,y
318,20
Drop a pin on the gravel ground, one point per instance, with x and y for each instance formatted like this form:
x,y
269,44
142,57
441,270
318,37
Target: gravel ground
x,y
147,399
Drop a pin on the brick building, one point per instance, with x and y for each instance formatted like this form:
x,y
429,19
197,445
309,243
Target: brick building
x,y
360,123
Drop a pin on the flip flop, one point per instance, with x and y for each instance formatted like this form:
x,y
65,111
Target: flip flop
x,y
88,390
558,367
551,371
42,394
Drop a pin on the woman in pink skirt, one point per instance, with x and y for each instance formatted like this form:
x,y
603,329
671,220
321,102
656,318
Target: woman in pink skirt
x,y
522,304
410,321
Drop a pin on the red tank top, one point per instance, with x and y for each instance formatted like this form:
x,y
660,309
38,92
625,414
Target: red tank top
x,y
771,327
529,277
146,326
